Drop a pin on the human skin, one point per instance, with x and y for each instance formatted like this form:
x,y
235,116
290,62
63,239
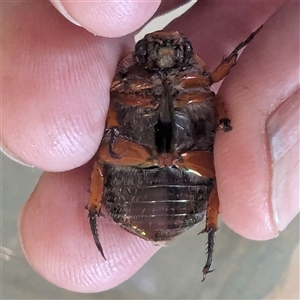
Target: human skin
x,y
56,79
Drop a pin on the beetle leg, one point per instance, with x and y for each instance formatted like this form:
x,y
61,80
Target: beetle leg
x,y
224,121
133,100
228,62
183,99
190,161
128,154
212,211
220,72
192,80
94,205
211,227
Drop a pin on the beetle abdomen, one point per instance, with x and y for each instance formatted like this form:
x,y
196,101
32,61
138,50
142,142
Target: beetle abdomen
x,y
155,203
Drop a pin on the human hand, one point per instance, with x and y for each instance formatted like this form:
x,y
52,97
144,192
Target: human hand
x,y
55,95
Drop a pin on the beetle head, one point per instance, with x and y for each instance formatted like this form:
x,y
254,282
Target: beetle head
x,y
163,50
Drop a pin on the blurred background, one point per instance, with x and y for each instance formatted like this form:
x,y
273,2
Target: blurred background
x,y
244,269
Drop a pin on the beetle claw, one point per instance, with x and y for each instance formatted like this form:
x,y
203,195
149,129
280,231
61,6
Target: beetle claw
x,y
93,223
210,248
206,271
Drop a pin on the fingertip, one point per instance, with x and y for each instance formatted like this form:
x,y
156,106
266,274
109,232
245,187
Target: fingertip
x,y
58,5
108,18
12,155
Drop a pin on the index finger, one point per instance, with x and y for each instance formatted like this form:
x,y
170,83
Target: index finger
x,y
56,80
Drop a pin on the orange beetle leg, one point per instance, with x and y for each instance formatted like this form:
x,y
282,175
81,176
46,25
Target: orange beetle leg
x,y
127,154
202,163
228,62
94,205
212,211
135,101
192,80
184,99
223,69
197,161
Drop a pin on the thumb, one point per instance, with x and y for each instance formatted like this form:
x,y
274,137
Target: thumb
x,y
107,18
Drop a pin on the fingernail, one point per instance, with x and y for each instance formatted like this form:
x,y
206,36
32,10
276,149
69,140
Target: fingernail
x,y
12,156
283,134
58,5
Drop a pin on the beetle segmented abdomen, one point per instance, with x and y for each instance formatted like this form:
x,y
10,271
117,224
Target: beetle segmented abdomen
x,y
155,203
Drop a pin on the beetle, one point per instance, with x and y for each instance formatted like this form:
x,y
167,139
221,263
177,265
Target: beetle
x,y
154,169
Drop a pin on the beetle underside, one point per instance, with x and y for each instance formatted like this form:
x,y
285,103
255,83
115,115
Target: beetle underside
x,y
154,170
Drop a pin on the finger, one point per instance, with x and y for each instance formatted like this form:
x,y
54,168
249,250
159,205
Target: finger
x,y
108,18
56,80
58,242
258,163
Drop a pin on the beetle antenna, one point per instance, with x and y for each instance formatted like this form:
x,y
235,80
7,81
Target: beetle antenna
x,y
94,228
210,249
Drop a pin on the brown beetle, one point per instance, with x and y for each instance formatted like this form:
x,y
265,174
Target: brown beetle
x,y
155,169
